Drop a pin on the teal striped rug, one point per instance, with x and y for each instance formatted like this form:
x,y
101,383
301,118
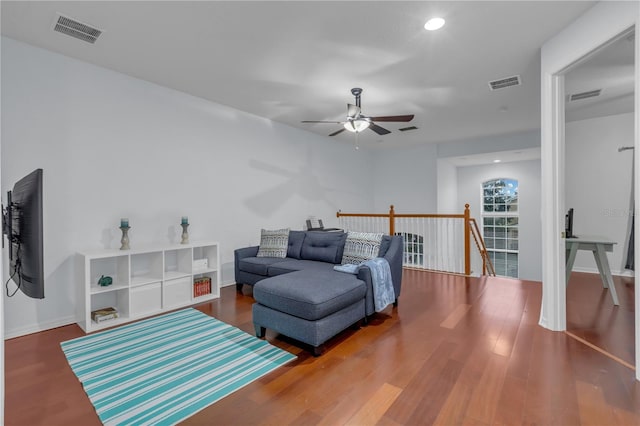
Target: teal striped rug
x,y
164,369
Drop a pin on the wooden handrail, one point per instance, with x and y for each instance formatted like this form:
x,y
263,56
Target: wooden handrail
x,y
412,215
475,231
432,216
340,214
482,248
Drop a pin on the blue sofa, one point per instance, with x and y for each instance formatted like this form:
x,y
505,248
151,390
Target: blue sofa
x,y
302,296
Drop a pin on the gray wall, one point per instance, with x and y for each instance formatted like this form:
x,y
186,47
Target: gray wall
x,y
448,188
406,178
598,183
113,146
488,144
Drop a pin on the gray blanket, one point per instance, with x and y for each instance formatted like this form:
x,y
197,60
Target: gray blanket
x,y
383,293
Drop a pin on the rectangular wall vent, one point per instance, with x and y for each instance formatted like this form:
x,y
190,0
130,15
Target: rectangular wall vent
x,y
76,29
505,82
405,129
585,95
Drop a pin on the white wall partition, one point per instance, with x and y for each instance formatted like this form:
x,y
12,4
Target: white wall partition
x,y
113,146
598,184
598,26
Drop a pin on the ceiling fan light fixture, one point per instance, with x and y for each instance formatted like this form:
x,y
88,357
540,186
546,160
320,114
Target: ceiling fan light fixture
x,y
356,126
434,24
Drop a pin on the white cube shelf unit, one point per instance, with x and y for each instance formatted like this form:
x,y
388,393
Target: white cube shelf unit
x,y
146,281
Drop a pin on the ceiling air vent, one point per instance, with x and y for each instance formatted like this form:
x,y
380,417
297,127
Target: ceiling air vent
x,y
406,129
505,82
76,29
585,95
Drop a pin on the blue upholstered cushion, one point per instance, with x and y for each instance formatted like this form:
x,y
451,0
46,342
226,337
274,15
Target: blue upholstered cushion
x,y
323,246
292,265
309,296
258,265
295,244
384,245
274,243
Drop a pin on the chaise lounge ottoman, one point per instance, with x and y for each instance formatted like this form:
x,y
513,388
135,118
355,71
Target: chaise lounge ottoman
x,y
310,308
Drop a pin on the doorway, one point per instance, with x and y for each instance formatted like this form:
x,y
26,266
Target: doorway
x,y
599,133
596,28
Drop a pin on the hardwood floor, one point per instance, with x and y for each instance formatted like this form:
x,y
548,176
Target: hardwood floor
x,y
592,316
455,351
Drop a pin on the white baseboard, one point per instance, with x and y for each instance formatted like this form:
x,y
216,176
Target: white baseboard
x,y
36,328
625,273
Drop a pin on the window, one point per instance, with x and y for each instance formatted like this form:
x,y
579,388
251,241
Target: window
x,y
500,224
413,249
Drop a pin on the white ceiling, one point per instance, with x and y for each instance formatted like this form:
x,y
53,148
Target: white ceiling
x,y
609,69
495,157
294,61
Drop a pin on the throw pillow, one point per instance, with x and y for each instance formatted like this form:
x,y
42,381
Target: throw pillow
x,y
323,246
273,243
361,246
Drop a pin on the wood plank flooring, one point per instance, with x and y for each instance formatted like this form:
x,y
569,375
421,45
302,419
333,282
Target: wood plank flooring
x,y
592,316
455,351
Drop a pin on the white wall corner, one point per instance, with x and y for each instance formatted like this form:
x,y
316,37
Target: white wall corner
x,y
447,188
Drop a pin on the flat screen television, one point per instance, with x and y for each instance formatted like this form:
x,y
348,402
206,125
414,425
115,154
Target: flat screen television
x,y
22,224
568,224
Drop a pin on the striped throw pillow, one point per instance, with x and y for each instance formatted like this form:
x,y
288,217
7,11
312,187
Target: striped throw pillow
x,y
274,243
361,246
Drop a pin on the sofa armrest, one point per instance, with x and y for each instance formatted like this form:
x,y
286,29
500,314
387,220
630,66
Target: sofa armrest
x,y
364,274
242,253
394,256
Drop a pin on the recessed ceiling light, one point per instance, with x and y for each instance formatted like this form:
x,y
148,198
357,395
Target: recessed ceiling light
x,y
434,24
496,161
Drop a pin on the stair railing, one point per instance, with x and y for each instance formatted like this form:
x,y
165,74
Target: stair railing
x,y
487,265
440,242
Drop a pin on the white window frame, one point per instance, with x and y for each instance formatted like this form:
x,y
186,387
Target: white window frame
x,y
502,214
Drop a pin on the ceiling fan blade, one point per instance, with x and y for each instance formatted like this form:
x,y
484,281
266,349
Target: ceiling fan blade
x,y
352,110
379,130
397,118
315,121
337,132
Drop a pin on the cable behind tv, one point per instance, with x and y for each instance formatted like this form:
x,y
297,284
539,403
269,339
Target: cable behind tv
x,y
16,270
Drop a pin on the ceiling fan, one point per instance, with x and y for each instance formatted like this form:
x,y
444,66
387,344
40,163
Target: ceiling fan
x,y
357,122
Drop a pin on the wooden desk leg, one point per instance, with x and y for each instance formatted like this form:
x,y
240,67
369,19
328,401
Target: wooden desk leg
x,y
603,266
571,258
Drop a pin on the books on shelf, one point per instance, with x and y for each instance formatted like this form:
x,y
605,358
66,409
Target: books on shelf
x,y
105,314
201,286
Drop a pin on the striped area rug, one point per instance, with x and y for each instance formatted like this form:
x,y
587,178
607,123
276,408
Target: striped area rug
x,y
164,369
